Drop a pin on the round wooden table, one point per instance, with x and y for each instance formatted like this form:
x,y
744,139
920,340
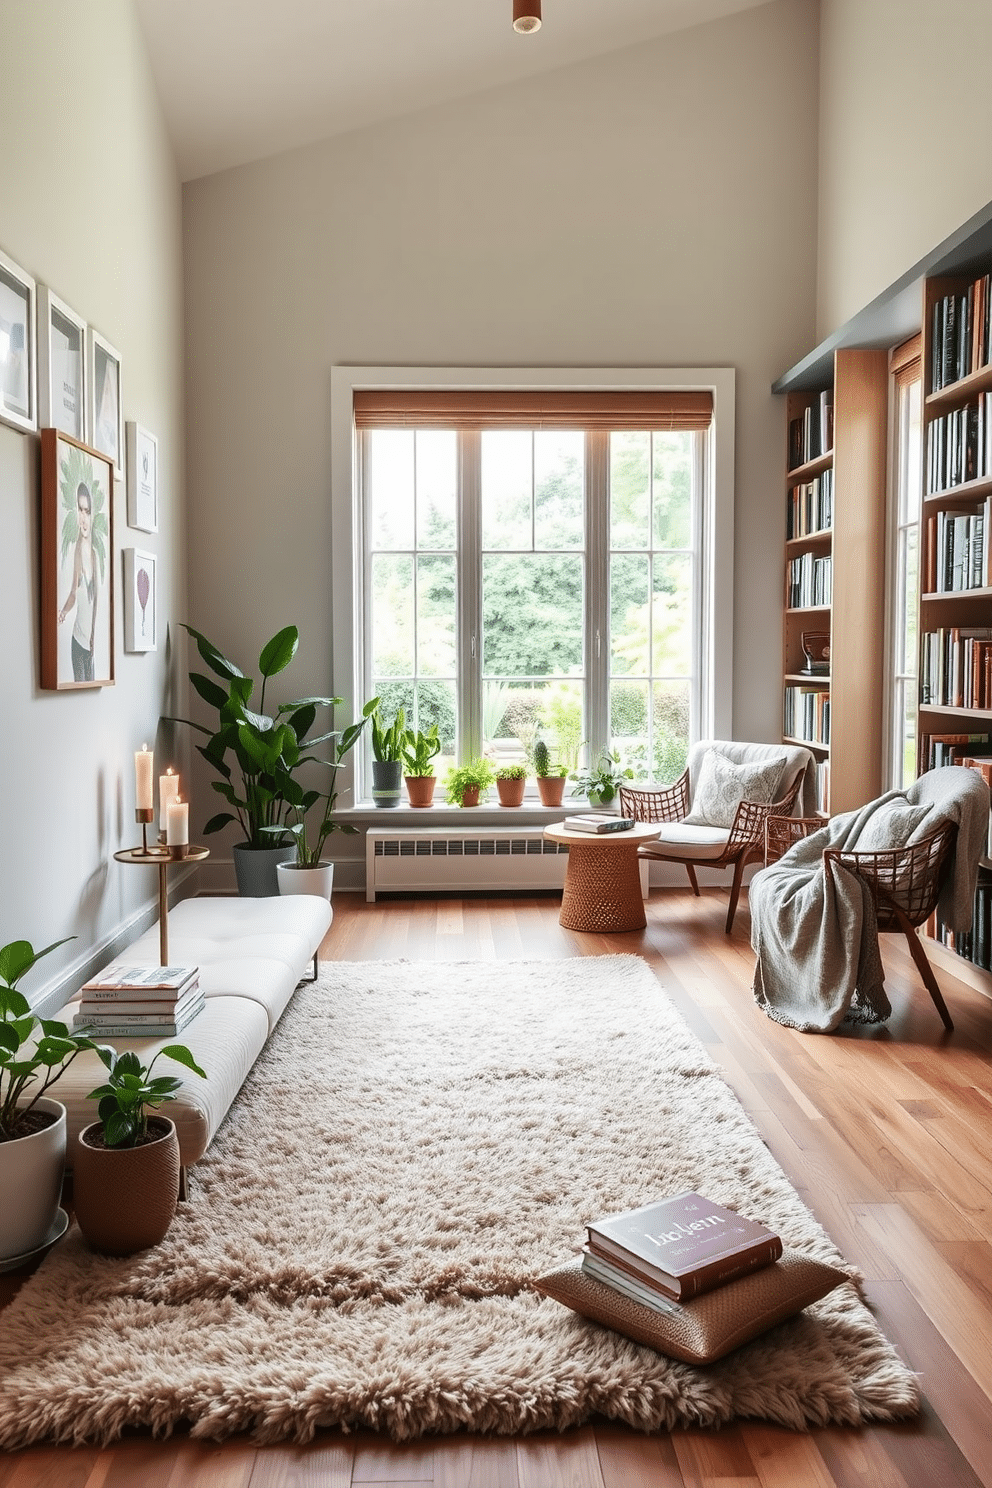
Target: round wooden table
x,y
602,890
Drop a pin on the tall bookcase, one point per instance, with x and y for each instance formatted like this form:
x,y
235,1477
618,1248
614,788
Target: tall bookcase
x,y
838,715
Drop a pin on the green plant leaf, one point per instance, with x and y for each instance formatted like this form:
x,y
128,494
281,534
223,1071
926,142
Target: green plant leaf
x,y
209,690
279,652
8,1038
182,1056
215,660
119,1130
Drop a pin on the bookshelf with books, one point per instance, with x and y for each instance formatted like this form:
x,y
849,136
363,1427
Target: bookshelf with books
x,y
834,565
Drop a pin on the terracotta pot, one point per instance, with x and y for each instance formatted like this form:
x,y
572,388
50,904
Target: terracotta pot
x,y
470,795
31,1183
125,1197
552,788
420,789
511,792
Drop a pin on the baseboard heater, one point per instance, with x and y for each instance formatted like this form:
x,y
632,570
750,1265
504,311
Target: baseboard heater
x,y
412,861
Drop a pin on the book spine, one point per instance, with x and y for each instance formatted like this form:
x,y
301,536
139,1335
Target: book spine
x,y
717,1272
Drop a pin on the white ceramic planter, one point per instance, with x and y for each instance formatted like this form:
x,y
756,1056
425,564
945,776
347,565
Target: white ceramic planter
x,y
31,1184
318,880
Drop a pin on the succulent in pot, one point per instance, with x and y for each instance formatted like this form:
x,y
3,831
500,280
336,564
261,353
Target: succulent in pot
x,y
465,784
126,1165
419,752
511,781
550,776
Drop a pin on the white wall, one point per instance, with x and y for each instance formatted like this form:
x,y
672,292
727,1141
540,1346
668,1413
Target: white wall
x,y
90,205
904,139
654,207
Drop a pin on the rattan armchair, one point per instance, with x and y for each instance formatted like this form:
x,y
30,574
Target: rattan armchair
x,y
904,883
744,844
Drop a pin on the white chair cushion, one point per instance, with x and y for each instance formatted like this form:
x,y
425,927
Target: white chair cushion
x,y
723,784
681,840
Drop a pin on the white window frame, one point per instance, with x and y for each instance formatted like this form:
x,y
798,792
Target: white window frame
x,y
897,681
716,515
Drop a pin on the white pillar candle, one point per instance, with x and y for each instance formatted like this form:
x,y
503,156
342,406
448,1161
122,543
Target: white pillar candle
x,y
177,824
143,796
168,791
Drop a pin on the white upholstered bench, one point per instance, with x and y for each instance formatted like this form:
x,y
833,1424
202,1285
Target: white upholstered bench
x,y
252,953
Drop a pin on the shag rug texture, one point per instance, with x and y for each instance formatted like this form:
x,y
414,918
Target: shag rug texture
x,y
416,1143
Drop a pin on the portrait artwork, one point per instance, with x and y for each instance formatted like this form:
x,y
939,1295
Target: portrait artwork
x,y
77,590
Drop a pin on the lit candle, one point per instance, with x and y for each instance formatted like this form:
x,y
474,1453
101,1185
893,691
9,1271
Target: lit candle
x,y
177,824
143,798
168,791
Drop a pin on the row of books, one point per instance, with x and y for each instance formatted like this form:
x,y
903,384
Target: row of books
x,y
806,714
810,581
139,1001
956,667
973,945
956,551
668,1252
952,749
959,446
960,340
810,507
812,433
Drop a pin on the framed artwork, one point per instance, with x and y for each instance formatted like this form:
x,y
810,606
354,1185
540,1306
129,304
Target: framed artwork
x,y
103,379
18,347
77,569
142,479
140,601
61,366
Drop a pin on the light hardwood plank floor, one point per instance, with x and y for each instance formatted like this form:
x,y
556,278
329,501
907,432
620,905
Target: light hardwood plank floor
x,y
887,1135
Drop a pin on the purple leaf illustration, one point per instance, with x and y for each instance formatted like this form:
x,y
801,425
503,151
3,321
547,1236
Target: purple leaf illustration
x,y
143,585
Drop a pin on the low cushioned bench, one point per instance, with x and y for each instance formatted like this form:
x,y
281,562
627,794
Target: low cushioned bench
x,y
252,953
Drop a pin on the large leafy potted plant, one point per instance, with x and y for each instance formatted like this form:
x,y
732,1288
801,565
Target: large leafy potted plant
x,y
34,1052
601,783
388,741
254,753
308,872
126,1165
550,776
419,751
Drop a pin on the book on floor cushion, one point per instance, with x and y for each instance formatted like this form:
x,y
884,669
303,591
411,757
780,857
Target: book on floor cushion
x,y
685,1245
598,821
148,978
708,1327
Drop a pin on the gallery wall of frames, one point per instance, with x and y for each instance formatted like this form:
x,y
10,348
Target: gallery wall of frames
x,y
61,379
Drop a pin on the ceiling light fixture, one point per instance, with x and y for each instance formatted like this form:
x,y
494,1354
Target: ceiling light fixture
x,y
526,15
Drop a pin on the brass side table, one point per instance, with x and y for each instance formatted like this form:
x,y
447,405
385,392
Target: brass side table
x,y
162,860
602,892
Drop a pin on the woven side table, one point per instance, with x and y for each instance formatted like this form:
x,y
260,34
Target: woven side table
x,y
602,890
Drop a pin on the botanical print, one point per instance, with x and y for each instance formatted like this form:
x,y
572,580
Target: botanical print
x,y
140,601
83,588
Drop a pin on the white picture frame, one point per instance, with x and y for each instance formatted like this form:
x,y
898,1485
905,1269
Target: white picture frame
x,y
61,366
142,478
105,410
140,600
18,347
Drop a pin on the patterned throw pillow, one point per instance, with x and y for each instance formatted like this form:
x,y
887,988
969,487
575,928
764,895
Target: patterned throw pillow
x,y
890,827
722,785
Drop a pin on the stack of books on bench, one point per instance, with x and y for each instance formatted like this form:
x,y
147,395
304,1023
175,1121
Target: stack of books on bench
x,y
674,1250
139,1001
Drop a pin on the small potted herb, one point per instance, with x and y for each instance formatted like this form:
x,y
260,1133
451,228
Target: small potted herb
x,y
510,783
550,777
464,784
601,784
419,751
126,1169
388,740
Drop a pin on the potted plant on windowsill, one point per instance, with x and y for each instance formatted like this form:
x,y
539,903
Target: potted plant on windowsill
x,y
126,1165
254,753
550,777
419,750
601,783
464,784
387,756
34,1053
307,872
510,783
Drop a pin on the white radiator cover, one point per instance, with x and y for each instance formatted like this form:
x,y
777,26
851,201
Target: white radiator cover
x,y
451,858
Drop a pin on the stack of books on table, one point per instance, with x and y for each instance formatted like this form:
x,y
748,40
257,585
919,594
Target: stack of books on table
x,y
674,1250
139,1001
598,821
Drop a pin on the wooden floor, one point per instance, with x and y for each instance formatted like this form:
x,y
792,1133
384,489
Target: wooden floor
x,y
887,1135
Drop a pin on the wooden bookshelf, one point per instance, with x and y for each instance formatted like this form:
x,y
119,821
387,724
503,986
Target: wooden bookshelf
x,y
854,541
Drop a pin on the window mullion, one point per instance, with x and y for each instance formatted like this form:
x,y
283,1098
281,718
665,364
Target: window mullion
x,y
469,690
597,590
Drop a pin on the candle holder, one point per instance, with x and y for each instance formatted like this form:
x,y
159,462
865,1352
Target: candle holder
x,y
178,850
143,815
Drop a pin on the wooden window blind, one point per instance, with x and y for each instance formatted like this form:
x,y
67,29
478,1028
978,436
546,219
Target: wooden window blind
x,y
382,408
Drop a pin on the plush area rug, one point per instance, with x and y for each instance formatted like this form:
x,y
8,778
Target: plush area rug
x,y
416,1143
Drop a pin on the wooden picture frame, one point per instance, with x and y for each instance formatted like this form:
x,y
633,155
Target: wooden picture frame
x,y
142,478
18,347
61,366
105,410
77,564
140,600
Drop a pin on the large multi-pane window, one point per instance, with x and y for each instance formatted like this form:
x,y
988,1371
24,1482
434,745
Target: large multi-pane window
x,y
537,582
905,573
